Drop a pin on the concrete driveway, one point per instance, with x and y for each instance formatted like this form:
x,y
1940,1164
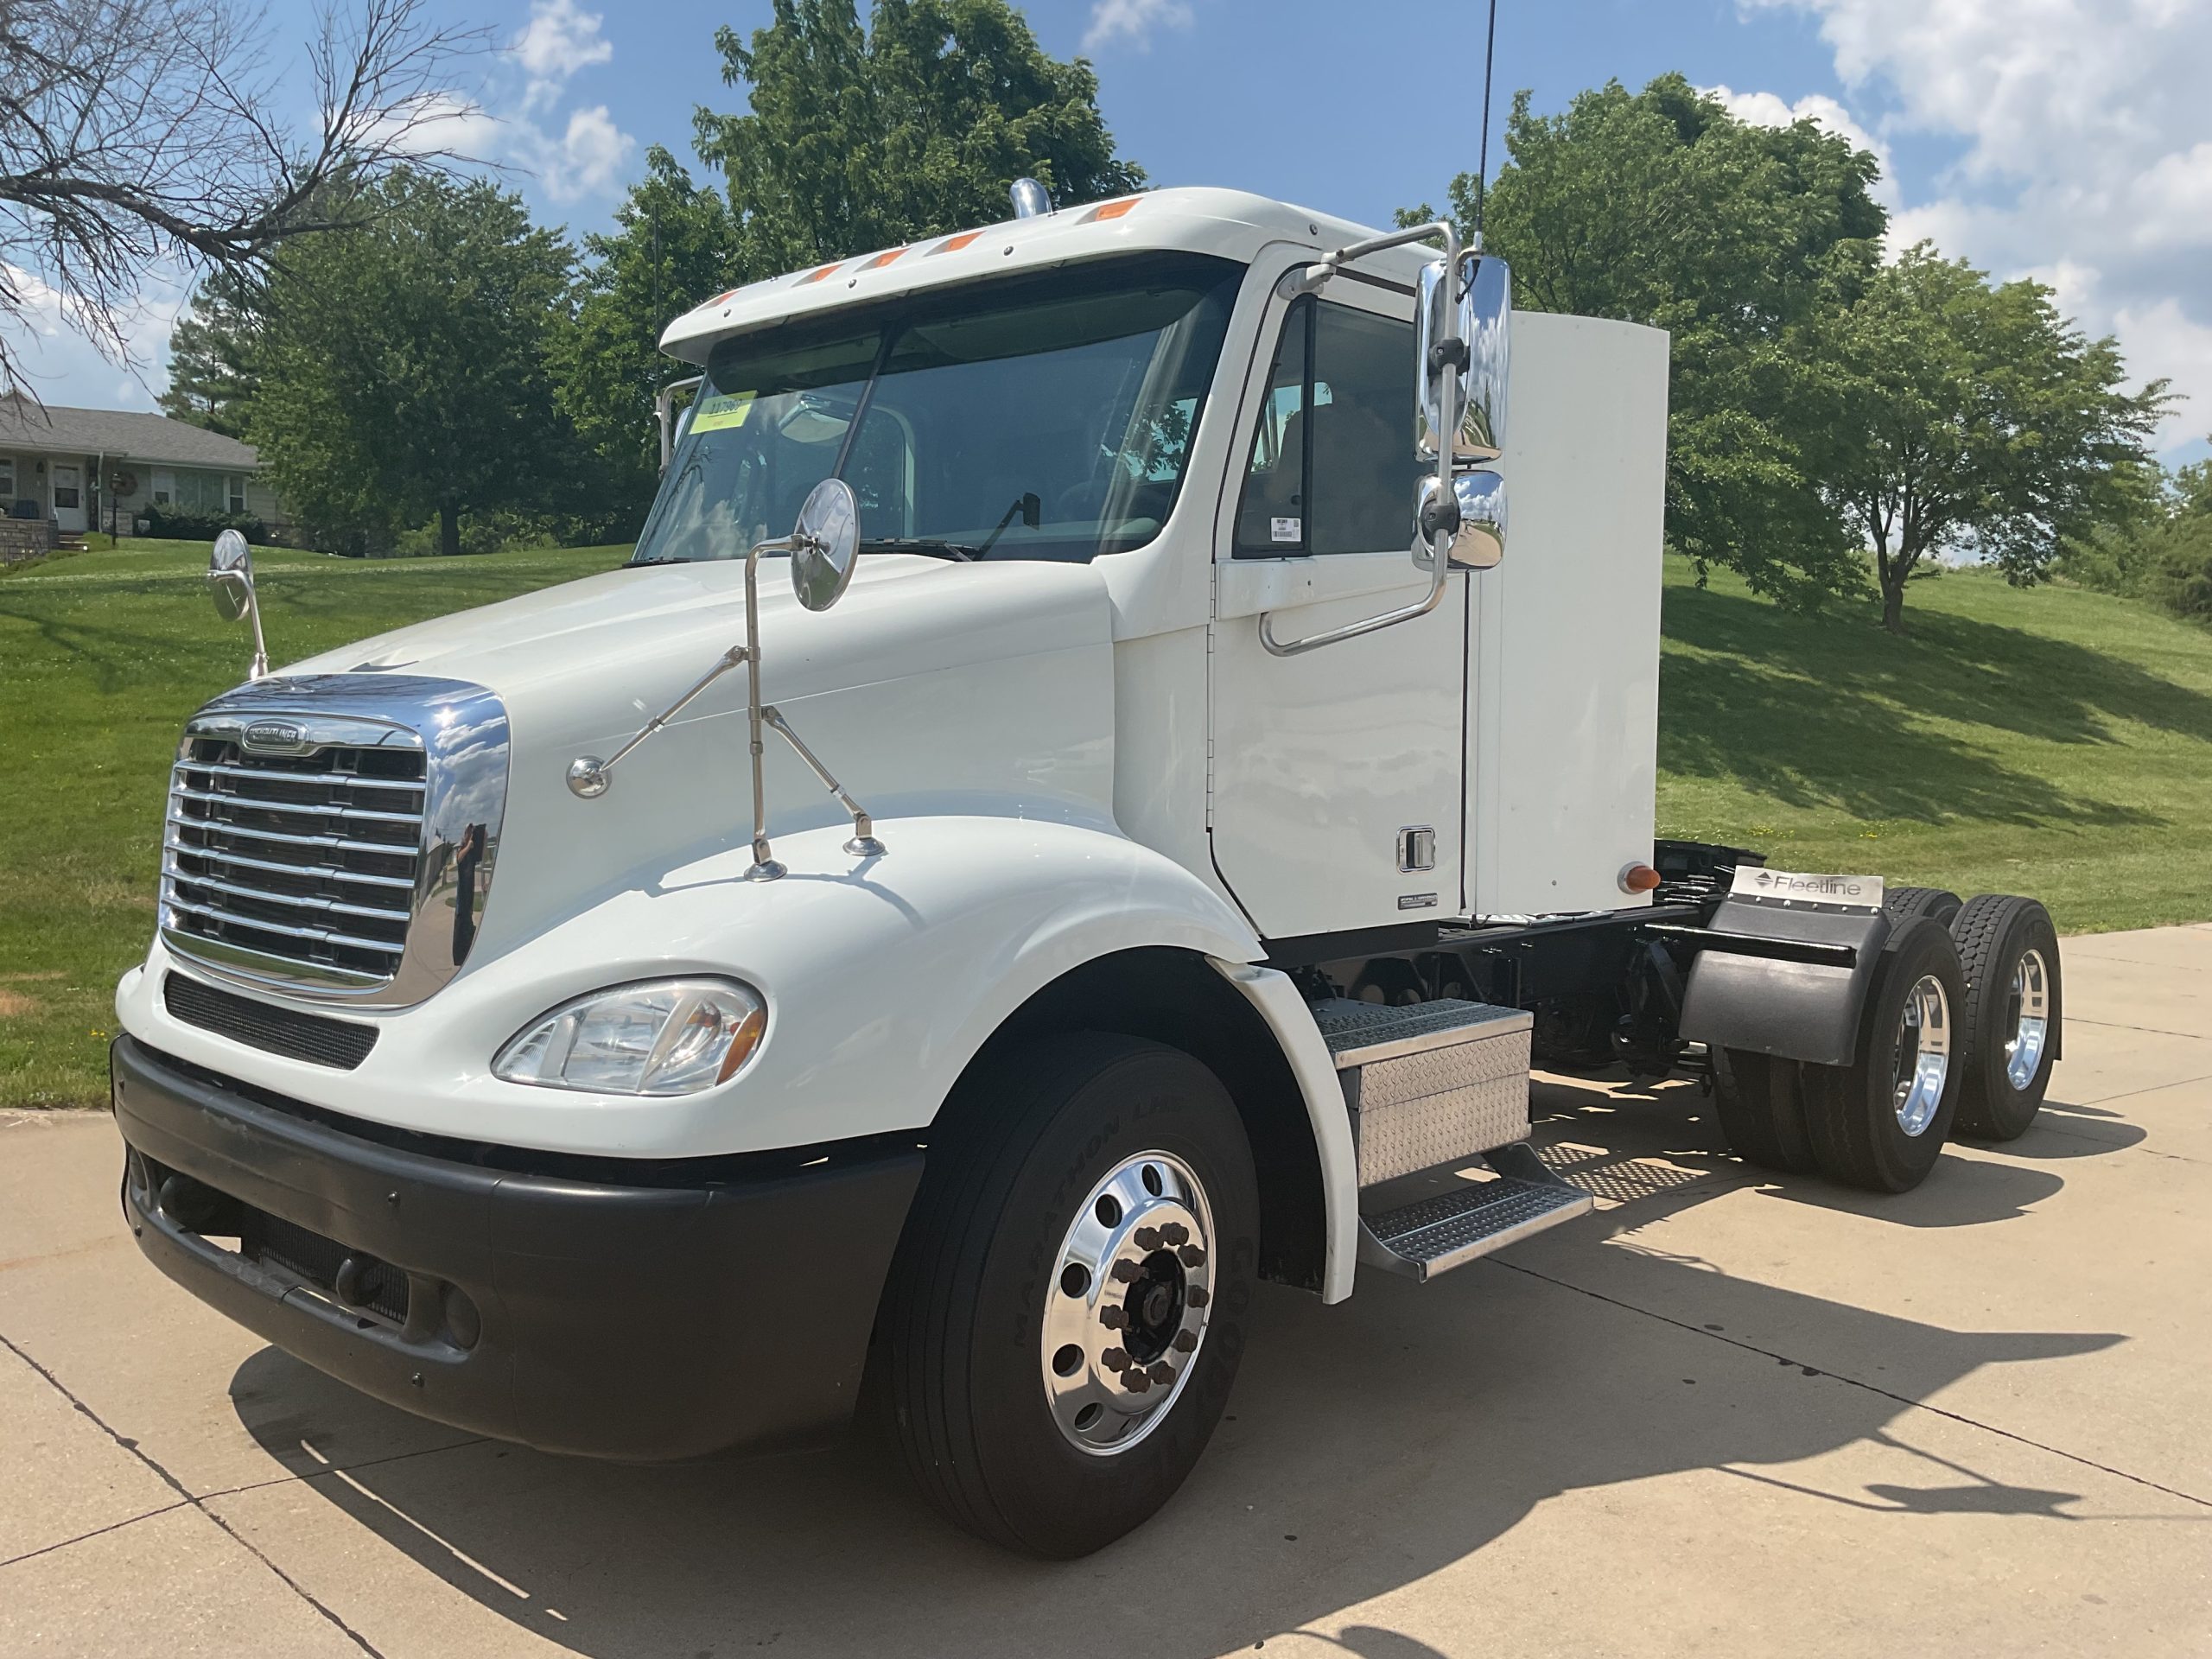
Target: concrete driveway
x,y
1723,1414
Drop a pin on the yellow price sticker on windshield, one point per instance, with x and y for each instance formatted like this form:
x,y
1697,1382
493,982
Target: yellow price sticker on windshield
x,y
721,409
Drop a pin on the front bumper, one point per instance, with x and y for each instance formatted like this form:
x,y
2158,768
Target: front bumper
x,y
648,1311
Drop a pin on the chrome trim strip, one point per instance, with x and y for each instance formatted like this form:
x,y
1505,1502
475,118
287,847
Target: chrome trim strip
x,y
239,965
317,935
297,901
261,774
339,843
323,872
254,804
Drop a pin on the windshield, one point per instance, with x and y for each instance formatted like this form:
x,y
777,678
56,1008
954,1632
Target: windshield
x,y
1043,418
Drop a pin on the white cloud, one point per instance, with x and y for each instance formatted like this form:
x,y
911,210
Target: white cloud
x,y
1133,20
59,362
1768,109
557,41
588,158
2082,155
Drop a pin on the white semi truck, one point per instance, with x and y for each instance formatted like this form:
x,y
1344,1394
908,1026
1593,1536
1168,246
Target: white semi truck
x,y
1131,839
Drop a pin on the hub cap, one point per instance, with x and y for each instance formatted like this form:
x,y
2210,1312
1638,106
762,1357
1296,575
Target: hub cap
x,y
1922,1058
1127,1310
2029,1006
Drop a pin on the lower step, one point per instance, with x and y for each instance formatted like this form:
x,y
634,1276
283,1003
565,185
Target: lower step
x,y
1437,1234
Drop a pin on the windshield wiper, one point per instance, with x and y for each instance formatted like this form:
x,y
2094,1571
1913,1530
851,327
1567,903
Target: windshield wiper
x,y
672,558
933,545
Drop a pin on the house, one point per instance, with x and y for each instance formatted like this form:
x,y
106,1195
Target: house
x,y
66,471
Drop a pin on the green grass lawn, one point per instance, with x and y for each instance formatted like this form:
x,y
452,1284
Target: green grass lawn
x,y
2048,741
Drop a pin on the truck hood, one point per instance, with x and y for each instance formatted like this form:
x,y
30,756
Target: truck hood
x,y
932,687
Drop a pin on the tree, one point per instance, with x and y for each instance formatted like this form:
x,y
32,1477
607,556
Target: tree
x,y
1660,208
404,373
869,139
214,354
137,136
1975,419
674,245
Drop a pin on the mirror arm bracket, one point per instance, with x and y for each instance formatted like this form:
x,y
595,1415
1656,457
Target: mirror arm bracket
x,y
589,776
1312,279
863,843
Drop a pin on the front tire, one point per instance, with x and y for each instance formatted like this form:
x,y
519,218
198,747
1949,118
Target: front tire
x,y
1065,1319
2009,952
1880,1122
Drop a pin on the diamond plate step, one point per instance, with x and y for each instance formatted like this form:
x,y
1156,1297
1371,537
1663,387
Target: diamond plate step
x,y
1435,1235
1431,1083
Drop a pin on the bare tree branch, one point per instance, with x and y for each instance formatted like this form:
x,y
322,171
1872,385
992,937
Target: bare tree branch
x,y
141,136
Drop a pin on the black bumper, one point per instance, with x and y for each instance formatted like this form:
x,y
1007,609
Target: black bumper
x,y
716,1304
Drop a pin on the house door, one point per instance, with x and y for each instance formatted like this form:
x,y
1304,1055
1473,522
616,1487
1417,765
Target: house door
x,y
68,497
1338,773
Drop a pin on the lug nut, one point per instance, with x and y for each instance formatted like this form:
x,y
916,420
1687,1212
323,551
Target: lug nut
x,y
1176,1233
1125,1273
1192,1256
1136,1381
1185,1342
1160,1372
1114,1359
1196,1296
1112,1318
1145,1238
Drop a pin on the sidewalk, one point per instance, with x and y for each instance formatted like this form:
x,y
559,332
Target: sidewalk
x,y
1722,1415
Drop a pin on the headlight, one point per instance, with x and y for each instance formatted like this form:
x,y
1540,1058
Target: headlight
x,y
664,1037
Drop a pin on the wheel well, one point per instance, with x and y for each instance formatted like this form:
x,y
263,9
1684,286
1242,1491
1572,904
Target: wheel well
x,y
1174,997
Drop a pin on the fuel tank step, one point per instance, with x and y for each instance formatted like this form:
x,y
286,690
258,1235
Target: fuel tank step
x,y
1429,1083
1437,1233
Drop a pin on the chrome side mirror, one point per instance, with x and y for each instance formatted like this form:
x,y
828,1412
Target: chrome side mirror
x,y
824,543
1461,356
1479,542
230,583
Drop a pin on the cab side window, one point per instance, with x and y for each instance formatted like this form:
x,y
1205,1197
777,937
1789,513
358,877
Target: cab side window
x,y
1332,467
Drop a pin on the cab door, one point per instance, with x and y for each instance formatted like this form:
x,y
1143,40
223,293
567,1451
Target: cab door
x,y
1336,798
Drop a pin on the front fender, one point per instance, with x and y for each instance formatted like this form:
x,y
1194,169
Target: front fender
x,y
883,978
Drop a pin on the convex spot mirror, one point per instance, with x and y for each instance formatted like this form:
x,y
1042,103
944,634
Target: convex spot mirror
x,y
824,543
1479,543
1477,310
230,575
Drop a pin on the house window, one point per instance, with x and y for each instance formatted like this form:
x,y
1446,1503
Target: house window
x,y
7,482
164,486
238,495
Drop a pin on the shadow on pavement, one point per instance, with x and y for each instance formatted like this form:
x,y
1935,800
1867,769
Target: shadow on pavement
x,y
1368,1445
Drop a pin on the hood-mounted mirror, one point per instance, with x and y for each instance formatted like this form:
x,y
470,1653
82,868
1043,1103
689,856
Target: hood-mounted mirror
x,y
824,543
230,583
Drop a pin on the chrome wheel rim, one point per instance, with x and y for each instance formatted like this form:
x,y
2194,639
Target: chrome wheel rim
x,y
2029,1004
1131,1295
1923,1061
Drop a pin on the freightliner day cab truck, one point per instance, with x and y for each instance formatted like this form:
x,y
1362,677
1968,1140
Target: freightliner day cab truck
x,y
1073,808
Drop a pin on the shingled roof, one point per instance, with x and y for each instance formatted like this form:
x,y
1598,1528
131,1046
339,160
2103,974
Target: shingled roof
x,y
119,435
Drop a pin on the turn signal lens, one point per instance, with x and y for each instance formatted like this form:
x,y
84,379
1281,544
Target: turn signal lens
x,y
664,1037
1638,878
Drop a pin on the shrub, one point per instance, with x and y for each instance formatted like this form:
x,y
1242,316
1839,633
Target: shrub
x,y
167,524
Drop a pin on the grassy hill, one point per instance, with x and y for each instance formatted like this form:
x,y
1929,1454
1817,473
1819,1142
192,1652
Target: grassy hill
x,y
2048,741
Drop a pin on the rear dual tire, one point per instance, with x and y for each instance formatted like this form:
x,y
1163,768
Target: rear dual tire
x,y
2009,952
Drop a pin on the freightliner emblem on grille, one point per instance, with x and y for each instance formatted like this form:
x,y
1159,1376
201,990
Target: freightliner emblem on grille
x,y
276,737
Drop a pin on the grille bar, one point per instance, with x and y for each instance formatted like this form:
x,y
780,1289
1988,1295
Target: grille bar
x,y
317,871
361,780
283,930
335,843
320,903
308,808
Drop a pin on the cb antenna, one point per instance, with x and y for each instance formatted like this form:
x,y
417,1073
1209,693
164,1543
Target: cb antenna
x,y
1482,161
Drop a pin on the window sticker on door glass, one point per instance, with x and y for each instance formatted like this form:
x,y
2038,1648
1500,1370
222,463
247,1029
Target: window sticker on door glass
x,y
718,410
1287,530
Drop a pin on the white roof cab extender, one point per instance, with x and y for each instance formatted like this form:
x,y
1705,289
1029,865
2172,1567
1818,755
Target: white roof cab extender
x,y
1072,808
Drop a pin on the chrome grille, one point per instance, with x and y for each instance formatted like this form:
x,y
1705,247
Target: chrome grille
x,y
313,858
334,836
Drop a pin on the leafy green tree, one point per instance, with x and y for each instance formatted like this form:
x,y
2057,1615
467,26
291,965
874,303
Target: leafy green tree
x,y
674,245
1974,419
403,372
1661,207
213,354
861,139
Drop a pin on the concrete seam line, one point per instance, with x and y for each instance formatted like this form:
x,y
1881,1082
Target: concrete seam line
x,y
178,1487
308,1476
1902,1399
2147,1088
2148,1030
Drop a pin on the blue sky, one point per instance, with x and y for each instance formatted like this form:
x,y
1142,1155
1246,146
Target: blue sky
x,y
2069,139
